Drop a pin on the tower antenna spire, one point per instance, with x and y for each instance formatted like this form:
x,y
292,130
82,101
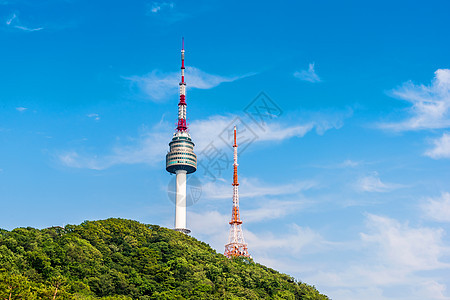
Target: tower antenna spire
x,y
236,244
181,159
182,126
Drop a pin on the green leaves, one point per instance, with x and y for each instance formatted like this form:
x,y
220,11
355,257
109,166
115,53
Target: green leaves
x,y
122,259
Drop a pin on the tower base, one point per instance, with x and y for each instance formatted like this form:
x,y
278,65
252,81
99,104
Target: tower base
x,y
183,230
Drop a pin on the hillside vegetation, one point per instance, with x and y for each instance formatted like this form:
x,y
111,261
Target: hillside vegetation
x,y
124,259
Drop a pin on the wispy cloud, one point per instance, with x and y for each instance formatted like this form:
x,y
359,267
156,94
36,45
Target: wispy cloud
x,y
438,209
94,116
308,75
210,223
430,104
253,188
415,249
348,163
441,147
21,109
386,254
205,131
158,6
151,146
373,183
14,22
213,227
295,240
272,209
9,21
159,86
389,254
166,12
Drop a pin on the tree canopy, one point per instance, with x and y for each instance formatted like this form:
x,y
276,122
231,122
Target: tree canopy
x,y
123,259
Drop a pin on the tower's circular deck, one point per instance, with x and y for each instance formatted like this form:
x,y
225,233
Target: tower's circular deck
x,y
181,155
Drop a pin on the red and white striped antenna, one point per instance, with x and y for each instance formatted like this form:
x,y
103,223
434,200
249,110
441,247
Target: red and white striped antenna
x,y
236,244
182,125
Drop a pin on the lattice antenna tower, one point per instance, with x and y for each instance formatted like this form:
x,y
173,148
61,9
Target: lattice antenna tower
x,y
236,244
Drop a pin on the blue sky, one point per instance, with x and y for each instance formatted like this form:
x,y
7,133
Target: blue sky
x,y
345,183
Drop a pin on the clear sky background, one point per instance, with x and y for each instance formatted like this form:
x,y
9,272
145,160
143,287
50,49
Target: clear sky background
x,y
345,179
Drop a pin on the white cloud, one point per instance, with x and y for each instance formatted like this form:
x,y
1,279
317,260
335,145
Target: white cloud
x,y
441,147
271,209
308,75
438,209
430,104
24,28
209,223
399,245
373,183
253,188
389,255
369,293
268,209
375,283
205,131
21,109
297,240
151,146
14,22
9,21
94,116
157,6
348,163
212,226
160,86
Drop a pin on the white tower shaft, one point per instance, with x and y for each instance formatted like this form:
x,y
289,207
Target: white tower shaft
x,y
181,159
180,205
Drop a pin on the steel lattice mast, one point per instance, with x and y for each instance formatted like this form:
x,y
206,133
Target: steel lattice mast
x,y
236,244
181,159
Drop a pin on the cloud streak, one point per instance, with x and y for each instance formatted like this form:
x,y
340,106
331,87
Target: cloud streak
x,y
157,6
13,22
389,254
430,104
309,75
441,147
150,147
412,249
373,183
159,86
253,188
94,116
438,209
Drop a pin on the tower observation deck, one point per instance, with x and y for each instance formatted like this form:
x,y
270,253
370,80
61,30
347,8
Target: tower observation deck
x,y
181,159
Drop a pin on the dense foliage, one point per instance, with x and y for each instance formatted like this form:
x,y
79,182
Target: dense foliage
x,y
124,259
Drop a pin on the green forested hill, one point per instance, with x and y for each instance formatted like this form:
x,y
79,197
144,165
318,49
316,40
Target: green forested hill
x,y
124,259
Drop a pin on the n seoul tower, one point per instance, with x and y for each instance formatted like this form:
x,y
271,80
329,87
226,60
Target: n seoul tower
x,y
236,244
181,159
